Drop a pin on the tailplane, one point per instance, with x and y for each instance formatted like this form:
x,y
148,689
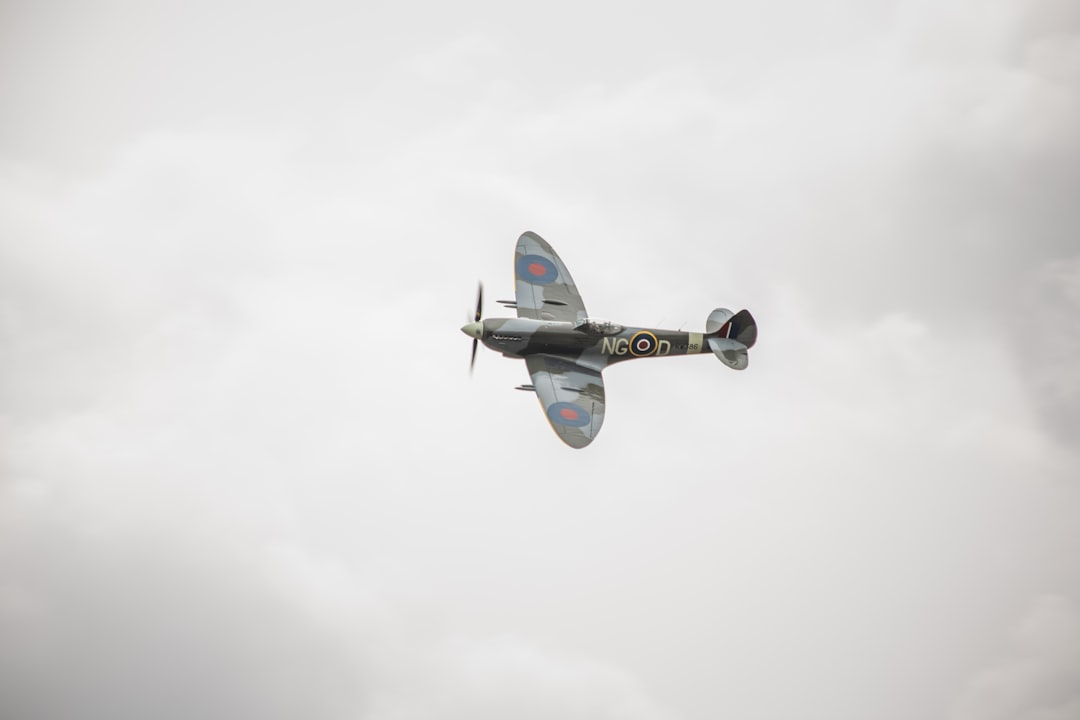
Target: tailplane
x,y
730,335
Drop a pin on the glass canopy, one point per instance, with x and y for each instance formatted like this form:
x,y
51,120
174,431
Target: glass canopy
x,y
596,326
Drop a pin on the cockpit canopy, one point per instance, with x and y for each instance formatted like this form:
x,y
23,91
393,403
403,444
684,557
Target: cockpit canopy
x,y
596,326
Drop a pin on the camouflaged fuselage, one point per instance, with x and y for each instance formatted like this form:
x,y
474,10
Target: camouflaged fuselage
x,y
521,337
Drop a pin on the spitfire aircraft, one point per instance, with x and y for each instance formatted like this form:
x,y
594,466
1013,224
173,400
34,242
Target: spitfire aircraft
x,y
565,350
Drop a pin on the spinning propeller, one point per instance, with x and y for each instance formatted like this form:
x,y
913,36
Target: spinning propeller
x,y
475,329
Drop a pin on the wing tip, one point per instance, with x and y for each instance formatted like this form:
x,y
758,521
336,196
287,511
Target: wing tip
x,y
578,441
535,237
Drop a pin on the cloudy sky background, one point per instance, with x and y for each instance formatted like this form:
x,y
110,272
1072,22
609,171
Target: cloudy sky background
x,y
243,470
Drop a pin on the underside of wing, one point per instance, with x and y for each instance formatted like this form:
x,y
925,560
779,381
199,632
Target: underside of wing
x,y
545,290
572,397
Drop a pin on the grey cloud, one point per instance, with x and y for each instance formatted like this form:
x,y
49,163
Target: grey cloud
x,y
151,623
243,472
179,618
1040,680
1048,320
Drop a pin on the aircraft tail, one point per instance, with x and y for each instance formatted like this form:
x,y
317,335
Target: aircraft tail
x,y
730,335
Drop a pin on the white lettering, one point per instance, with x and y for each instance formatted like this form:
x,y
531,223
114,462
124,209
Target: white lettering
x,y
615,346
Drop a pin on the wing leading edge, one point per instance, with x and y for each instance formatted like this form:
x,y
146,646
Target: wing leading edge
x,y
572,396
543,286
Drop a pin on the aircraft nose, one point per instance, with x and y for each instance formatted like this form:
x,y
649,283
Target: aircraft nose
x,y
473,329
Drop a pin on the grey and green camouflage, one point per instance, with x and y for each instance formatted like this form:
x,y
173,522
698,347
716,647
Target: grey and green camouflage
x,y
565,351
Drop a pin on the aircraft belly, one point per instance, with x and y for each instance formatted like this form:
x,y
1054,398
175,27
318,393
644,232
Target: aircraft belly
x,y
559,343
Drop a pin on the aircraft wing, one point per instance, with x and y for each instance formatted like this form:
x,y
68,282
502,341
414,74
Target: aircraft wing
x,y
545,290
572,396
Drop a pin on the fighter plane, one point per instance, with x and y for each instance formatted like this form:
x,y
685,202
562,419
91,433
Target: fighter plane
x,y
566,351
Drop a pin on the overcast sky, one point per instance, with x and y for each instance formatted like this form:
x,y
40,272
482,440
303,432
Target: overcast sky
x,y
244,472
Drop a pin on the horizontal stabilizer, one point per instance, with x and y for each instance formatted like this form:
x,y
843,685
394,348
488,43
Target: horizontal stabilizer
x,y
731,352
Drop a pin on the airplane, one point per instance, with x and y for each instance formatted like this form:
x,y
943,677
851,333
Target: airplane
x,y
565,350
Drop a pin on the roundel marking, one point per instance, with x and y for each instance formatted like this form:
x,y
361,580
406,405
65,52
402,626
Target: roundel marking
x,y
536,269
643,343
569,414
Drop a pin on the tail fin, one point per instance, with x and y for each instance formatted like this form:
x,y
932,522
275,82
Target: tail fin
x,y
730,336
738,326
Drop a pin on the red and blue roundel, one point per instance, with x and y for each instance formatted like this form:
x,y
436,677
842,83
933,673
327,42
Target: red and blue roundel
x,y
570,414
643,343
536,269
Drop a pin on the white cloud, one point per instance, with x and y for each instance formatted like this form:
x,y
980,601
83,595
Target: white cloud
x,y
503,676
241,460
1040,679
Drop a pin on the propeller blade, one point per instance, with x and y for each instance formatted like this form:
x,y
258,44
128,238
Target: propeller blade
x,y
476,318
